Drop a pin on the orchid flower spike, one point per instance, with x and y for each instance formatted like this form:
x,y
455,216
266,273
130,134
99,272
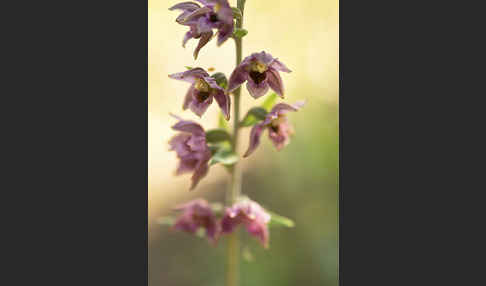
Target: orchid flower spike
x,y
201,92
279,130
261,72
192,150
214,14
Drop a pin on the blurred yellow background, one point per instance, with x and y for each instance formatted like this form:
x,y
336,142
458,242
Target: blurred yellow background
x,y
300,182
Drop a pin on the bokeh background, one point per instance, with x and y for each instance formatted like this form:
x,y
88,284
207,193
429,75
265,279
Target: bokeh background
x,y
300,182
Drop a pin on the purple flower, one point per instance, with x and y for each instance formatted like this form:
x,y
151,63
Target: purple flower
x,y
192,150
203,89
261,71
279,130
252,215
215,14
196,214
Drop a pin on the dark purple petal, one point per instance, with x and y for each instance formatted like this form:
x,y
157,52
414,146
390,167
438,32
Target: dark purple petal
x,y
238,76
189,97
257,90
187,37
223,101
263,57
197,143
225,15
278,65
205,37
197,13
229,221
186,165
200,107
188,126
224,34
252,215
280,134
212,83
185,6
190,75
196,214
260,231
282,108
204,2
178,144
201,169
255,134
275,82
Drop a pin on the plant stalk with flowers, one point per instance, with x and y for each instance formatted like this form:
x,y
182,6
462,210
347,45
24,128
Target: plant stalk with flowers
x,y
198,149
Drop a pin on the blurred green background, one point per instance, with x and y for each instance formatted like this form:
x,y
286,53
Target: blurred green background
x,y
300,182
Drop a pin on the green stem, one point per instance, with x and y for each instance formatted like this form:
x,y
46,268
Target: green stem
x,y
234,190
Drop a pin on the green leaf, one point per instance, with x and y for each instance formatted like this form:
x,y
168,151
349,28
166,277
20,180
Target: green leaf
x,y
166,220
253,116
270,101
188,67
278,220
237,13
225,157
221,79
217,135
239,32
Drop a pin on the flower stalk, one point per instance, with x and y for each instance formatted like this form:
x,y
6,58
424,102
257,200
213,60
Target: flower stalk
x,y
234,190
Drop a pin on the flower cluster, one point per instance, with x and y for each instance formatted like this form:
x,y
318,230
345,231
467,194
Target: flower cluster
x,y
197,149
214,14
198,214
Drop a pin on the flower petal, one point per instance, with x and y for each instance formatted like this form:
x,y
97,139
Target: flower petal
x,y
278,65
255,134
260,231
188,126
200,172
186,166
178,144
190,75
197,13
282,108
200,107
224,33
257,90
225,15
187,37
185,6
263,57
238,76
275,82
281,137
205,37
189,97
223,101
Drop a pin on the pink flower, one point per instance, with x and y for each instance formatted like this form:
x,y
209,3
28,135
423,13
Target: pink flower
x,y
250,214
202,91
261,72
192,150
279,130
197,214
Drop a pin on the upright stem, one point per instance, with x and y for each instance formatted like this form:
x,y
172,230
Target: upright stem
x,y
234,190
